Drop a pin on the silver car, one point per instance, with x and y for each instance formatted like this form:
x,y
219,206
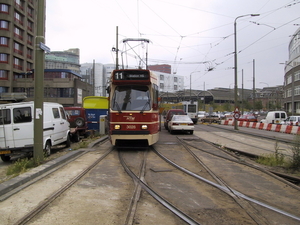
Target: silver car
x,y
181,123
292,120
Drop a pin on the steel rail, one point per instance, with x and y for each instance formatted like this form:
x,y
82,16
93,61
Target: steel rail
x,y
226,189
270,173
136,193
157,197
243,204
25,219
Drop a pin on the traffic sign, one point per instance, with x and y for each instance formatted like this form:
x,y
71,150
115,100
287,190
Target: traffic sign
x,y
236,115
44,47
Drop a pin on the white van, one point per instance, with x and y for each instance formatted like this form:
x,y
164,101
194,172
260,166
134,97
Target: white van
x,y
276,117
17,128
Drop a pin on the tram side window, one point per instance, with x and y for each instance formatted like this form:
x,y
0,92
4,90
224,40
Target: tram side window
x,y
22,115
5,117
155,97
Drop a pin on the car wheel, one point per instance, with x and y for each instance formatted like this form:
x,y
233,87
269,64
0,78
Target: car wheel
x,y
68,141
5,158
47,150
191,132
79,122
171,132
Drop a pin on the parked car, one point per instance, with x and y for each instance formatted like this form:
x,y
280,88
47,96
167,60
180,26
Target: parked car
x,y
248,118
201,115
17,128
78,122
212,118
275,117
181,123
170,114
292,120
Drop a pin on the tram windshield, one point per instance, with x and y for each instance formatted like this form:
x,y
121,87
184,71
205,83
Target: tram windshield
x,y
131,98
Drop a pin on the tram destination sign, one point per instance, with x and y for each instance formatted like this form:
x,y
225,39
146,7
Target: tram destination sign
x,y
131,75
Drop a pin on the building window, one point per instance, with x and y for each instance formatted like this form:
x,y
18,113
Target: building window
x,y
64,75
297,90
30,12
289,79
18,33
175,79
29,53
3,58
161,85
18,18
18,63
175,87
29,66
3,74
4,41
29,39
297,75
3,25
161,77
30,25
4,8
18,48
19,4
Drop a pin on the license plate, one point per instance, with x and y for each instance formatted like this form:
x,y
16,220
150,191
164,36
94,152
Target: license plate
x,y
4,152
183,124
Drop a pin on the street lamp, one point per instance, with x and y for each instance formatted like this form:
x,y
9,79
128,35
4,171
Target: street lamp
x,y
268,95
235,66
191,84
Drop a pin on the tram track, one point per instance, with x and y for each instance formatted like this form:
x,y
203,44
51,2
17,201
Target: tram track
x,y
182,175
139,180
245,201
243,139
239,151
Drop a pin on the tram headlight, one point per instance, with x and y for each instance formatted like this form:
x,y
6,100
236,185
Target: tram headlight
x,y
117,127
144,127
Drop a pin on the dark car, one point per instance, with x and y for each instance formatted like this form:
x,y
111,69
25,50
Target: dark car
x,y
248,118
170,114
78,122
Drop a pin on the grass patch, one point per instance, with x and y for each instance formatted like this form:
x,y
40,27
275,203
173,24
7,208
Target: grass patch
x,y
21,166
279,159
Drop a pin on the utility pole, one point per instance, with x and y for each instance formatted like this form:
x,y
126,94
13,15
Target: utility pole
x,y
242,92
38,154
117,49
204,96
253,85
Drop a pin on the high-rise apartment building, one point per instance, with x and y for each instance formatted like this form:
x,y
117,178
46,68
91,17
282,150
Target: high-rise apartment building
x,y
17,32
292,76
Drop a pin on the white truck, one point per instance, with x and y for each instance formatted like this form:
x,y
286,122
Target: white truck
x,y
17,128
191,109
275,117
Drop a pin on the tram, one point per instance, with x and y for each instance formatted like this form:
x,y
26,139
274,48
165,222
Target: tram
x,y
134,119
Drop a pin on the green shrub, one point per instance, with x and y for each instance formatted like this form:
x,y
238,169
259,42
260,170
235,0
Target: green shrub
x,y
20,166
295,148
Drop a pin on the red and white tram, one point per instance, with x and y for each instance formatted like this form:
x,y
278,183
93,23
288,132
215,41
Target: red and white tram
x,y
134,119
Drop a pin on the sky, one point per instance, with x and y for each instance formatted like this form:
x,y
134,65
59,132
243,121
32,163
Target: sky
x,y
196,37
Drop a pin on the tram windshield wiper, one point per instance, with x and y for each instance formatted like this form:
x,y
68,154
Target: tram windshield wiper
x,y
147,103
118,107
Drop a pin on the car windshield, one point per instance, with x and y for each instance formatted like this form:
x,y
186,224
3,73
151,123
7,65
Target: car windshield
x,y
181,118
